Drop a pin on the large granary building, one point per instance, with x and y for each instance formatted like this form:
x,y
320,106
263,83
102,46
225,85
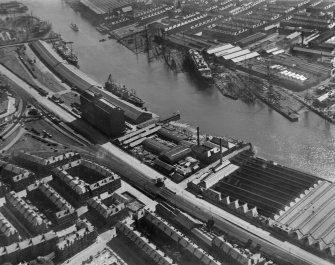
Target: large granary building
x,y
102,114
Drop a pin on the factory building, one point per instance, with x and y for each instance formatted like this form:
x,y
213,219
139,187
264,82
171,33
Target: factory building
x,y
175,154
73,76
322,8
11,7
310,220
105,8
324,42
154,146
102,114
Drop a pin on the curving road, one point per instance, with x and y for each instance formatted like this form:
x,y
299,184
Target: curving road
x,y
225,221
176,195
50,106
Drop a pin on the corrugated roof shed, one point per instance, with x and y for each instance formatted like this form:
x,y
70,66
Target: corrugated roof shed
x,y
252,38
278,52
228,51
245,57
175,154
83,82
170,136
154,146
164,165
91,6
216,140
236,54
272,50
219,48
105,6
293,35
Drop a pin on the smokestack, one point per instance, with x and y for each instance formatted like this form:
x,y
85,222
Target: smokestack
x,y
198,135
220,151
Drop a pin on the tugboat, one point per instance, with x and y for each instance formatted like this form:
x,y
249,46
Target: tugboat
x,y
123,93
74,27
198,63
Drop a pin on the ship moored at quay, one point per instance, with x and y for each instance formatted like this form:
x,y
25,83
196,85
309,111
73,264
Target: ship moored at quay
x,y
123,92
183,155
66,52
199,65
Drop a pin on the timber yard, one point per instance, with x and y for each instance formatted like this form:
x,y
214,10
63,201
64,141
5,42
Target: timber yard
x,y
91,175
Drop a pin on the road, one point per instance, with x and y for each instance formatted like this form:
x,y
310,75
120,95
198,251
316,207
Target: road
x,y
16,138
185,200
225,221
92,250
49,105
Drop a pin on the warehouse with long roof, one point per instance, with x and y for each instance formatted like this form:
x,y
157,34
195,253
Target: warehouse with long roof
x,y
74,76
103,8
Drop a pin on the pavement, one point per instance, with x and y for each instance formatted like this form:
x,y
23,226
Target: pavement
x,y
98,246
43,68
10,108
15,139
203,210
150,204
225,221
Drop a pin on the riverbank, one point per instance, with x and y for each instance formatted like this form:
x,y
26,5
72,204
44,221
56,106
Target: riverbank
x,y
308,144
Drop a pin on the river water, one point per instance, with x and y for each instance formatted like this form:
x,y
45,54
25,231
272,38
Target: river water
x,y
308,145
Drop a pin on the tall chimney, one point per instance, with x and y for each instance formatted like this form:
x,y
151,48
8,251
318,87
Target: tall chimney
x,y
220,151
198,135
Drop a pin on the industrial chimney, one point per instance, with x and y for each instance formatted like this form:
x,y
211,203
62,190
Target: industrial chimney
x,y
220,151
198,135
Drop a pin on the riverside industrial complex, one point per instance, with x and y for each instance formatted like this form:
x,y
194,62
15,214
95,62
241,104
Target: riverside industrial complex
x,y
88,175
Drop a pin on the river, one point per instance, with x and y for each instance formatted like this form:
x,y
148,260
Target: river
x,y
308,145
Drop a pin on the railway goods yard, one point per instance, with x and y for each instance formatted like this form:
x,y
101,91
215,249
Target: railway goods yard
x,y
89,178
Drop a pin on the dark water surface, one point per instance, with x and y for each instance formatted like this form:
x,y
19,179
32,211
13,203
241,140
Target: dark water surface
x,y
308,144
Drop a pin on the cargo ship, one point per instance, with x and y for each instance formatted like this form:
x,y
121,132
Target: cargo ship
x,y
74,27
198,63
123,93
66,53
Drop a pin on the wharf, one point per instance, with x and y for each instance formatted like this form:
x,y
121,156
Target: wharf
x,y
227,93
315,110
286,112
174,59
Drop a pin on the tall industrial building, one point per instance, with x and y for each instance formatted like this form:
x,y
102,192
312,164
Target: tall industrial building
x,y
102,114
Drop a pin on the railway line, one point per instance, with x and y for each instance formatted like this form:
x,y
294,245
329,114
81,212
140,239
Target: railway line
x,y
144,178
